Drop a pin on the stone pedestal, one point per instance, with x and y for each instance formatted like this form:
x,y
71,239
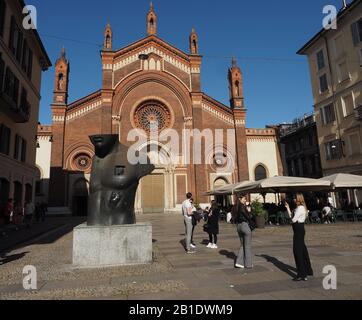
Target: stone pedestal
x,y
112,246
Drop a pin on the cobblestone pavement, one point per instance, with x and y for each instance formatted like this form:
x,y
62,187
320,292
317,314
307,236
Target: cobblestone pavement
x,y
209,274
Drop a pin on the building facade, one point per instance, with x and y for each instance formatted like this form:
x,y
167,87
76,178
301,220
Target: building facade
x,y
300,148
22,60
151,81
335,61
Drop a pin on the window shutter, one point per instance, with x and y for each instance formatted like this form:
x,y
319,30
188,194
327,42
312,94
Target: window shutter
x,y
16,90
16,149
23,150
2,73
355,33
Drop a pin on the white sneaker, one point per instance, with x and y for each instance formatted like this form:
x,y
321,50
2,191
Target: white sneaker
x,y
214,246
209,245
192,246
239,266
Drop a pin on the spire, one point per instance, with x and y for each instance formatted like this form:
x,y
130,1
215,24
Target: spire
x,y
194,42
108,38
234,63
62,54
151,21
61,79
236,86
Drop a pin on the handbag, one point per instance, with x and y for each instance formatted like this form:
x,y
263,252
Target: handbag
x,y
252,225
206,227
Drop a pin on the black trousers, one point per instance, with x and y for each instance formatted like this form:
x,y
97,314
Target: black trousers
x,y
300,250
213,238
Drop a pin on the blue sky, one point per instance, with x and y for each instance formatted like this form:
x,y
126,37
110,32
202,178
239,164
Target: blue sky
x,y
264,35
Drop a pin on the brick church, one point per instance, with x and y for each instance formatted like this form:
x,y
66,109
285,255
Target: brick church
x,y
149,79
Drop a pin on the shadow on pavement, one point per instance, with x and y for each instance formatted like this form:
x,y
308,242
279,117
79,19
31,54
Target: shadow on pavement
x,y
228,254
14,257
39,234
58,232
291,271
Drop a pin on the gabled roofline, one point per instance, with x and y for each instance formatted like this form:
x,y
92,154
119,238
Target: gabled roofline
x,y
147,39
83,100
217,103
321,33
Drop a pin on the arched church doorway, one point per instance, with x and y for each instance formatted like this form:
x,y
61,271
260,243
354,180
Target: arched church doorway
x,y
28,192
223,201
4,193
80,198
18,193
154,193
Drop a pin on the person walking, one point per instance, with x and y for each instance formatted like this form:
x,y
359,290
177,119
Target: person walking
x,y
245,227
29,213
187,214
18,217
213,225
301,255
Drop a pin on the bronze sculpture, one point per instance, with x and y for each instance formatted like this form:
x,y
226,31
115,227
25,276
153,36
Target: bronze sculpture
x,y
114,183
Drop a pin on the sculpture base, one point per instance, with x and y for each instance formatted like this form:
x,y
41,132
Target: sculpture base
x,y
98,247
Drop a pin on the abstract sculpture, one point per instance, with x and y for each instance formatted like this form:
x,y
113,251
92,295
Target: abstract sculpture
x,y
114,183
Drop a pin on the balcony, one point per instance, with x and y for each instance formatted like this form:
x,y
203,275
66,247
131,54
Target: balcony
x,y
304,122
358,112
19,114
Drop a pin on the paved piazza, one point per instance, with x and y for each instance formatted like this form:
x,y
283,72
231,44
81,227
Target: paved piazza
x,y
209,274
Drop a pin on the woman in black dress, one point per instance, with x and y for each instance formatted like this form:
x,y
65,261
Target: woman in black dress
x,y
213,225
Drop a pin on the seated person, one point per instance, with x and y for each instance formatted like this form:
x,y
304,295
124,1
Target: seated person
x,y
229,217
327,214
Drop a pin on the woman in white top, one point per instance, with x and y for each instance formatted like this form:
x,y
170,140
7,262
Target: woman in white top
x,y
300,250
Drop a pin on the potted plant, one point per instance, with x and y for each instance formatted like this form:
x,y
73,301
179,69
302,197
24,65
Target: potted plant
x,y
261,215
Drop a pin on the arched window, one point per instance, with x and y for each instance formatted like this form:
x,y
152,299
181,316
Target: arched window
x,y
108,41
237,88
151,23
4,192
60,81
220,182
194,44
260,173
80,188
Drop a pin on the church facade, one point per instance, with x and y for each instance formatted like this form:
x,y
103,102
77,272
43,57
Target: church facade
x,y
145,82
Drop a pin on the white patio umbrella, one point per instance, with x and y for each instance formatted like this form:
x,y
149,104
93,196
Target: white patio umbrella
x,y
226,190
283,185
344,181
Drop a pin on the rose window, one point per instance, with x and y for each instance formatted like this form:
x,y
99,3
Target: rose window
x,y
152,115
82,162
220,160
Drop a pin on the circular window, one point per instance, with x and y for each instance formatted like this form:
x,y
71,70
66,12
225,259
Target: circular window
x,y
82,162
220,160
152,114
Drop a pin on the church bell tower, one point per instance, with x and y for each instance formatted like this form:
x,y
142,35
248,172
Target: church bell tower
x,y
61,80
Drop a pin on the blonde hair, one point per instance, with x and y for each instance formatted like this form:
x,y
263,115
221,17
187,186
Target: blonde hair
x,y
301,202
